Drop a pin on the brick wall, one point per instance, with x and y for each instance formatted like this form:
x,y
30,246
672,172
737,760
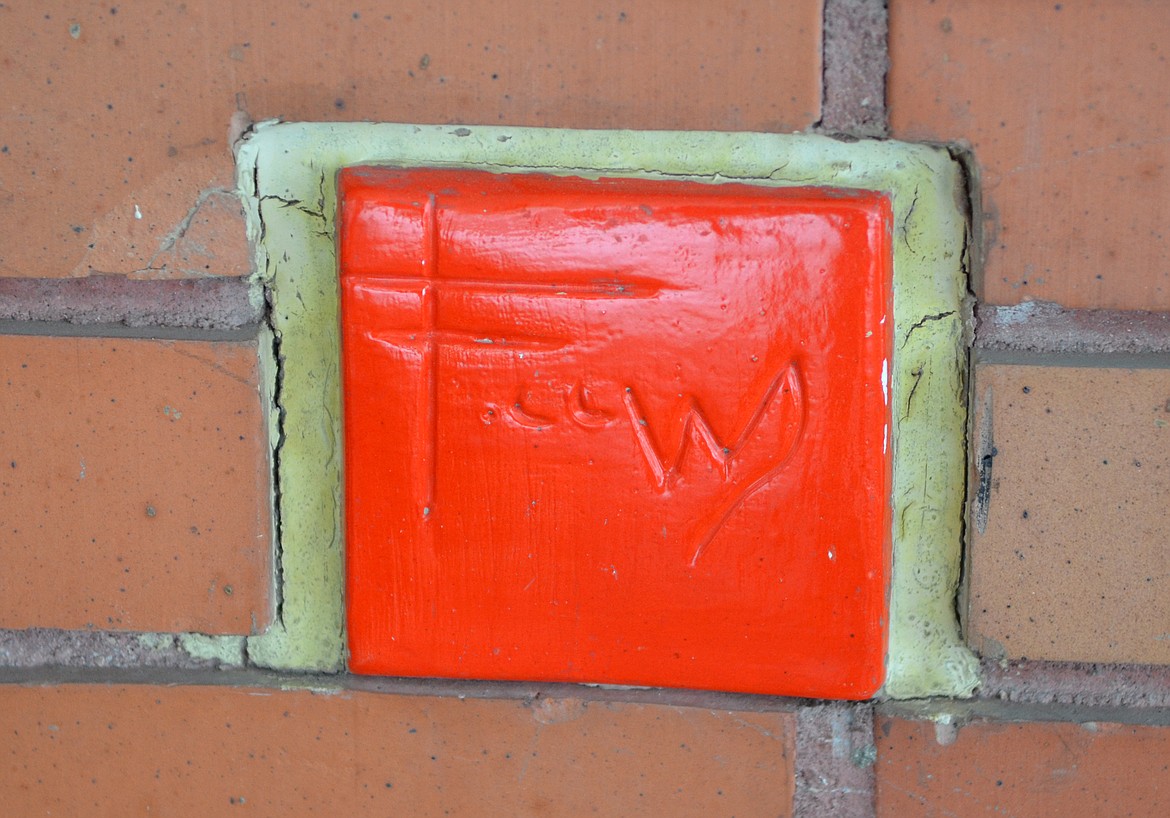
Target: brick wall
x,y
135,498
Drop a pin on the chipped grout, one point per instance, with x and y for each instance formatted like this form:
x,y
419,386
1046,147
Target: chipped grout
x,y
63,329
855,59
35,652
1042,327
116,305
1081,684
835,755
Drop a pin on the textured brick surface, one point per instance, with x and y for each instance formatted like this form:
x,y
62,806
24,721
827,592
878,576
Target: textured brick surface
x,y
855,67
1079,684
98,750
30,648
1068,546
133,486
1066,108
1029,770
1041,326
206,303
114,112
835,756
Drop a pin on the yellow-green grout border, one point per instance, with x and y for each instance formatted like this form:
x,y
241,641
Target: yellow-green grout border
x,y
286,173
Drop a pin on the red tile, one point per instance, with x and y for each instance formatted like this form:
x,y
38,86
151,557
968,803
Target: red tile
x,y
618,431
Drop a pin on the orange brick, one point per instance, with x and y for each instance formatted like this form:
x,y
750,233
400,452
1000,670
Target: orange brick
x,y
1065,106
1068,553
147,93
133,486
198,751
1029,770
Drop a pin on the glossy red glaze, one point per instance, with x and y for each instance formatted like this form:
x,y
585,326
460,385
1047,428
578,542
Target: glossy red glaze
x,y
619,431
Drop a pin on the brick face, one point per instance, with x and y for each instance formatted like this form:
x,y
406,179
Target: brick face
x,y
1065,107
115,112
1026,770
134,474
197,751
1067,556
134,487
